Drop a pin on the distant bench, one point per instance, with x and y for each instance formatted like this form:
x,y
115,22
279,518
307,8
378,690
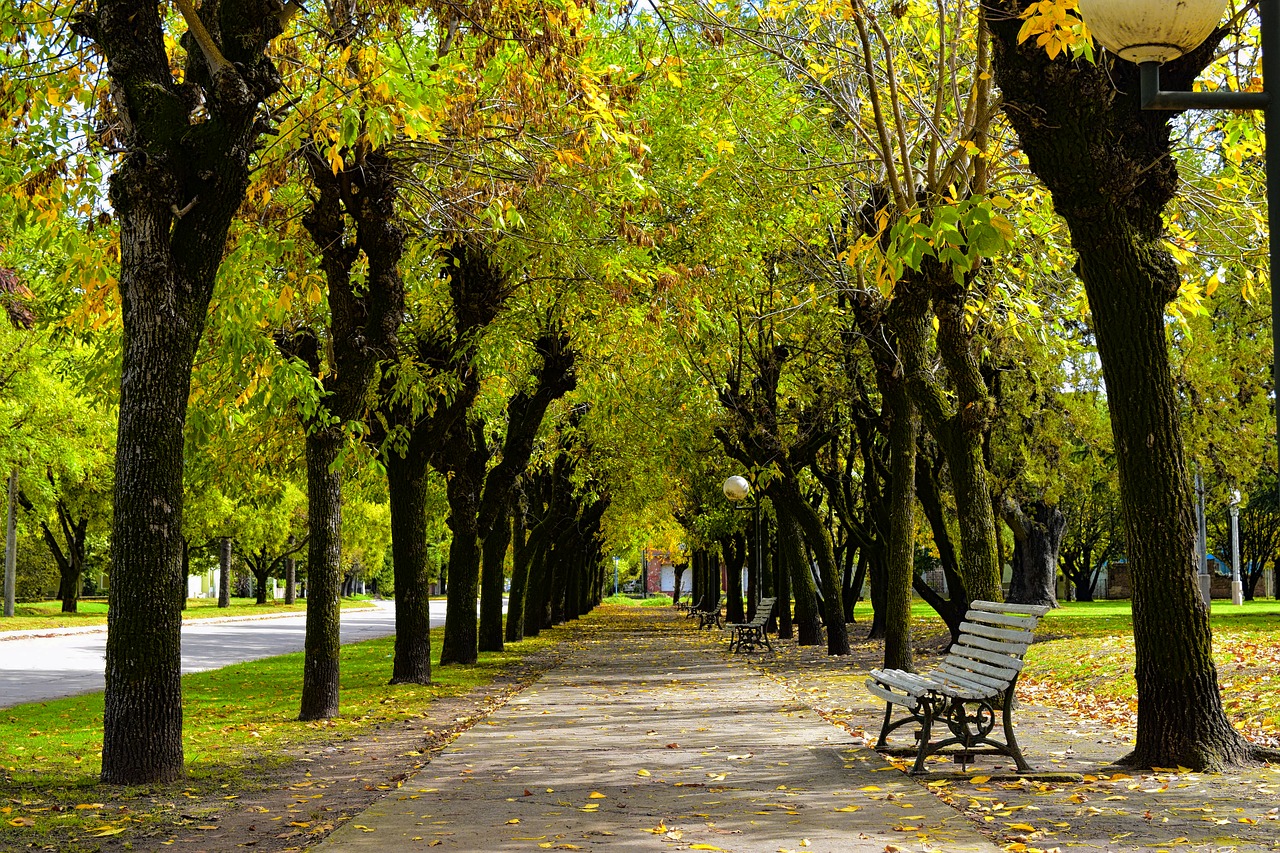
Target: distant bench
x,y
749,636
963,692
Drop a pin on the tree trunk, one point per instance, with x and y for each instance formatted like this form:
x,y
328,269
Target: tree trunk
x,y
1035,555
324,576
1111,173
520,564
900,552
142,717
224,572
678,572
465,458
819,539
290,578
260,579
407,490
11,544
782,579
168,262
495,547
809,632
734,548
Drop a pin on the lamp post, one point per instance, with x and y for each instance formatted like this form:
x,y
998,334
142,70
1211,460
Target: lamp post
x,y
737,490
1152,32
1237,588
615,575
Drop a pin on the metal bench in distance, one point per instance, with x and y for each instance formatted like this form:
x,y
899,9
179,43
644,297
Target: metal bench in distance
x,y
964,692
749,636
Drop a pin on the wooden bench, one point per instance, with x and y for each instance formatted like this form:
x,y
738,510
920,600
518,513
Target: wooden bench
x,y
964,691
749,636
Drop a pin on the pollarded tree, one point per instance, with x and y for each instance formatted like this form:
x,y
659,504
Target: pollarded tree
x,y
1110,168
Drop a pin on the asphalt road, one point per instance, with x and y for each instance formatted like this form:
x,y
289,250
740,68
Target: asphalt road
x,y
57,664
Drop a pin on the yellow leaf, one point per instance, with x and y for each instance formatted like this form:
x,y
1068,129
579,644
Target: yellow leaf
x,y
89,806
513,821
869,788
705,847
643,772
23,821
596,795
978,780
1021,827
848,808
104,831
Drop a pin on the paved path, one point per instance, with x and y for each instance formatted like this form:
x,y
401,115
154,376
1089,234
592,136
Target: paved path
x,y
617,749
65,663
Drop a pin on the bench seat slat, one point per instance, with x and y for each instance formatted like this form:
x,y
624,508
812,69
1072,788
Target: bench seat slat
x,y
1025,623
1001,607
1000,673
907,681
996,633
889,696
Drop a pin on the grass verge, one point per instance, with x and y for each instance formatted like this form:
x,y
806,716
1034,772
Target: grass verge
x,y
41,615
239,722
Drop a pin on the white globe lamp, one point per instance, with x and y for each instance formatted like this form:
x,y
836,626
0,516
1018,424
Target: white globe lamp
x,y
737,488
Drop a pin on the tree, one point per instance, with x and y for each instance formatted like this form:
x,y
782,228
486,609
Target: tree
x,y
1110,169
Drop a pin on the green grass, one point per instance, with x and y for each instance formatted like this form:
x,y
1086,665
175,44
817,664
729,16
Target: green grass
x,y
40,615
236,718
628,601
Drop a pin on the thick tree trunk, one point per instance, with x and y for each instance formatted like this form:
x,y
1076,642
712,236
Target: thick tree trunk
x,y
224,571
407,490
819,539
465,465
1110,169
900,553
290,579
734,548
520,564
1035,555
495,545
808,631
142,718
461,641
324,576
174,194
782,579
260,579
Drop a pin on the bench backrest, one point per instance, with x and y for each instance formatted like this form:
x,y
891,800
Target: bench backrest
x,y
993,639
763,611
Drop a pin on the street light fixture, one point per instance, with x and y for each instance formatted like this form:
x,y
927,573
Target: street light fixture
x,y
1151,32
737,489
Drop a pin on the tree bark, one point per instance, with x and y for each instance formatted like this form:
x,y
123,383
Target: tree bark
x,y
734,547
494,556
407,490
520,564
290,580
466,458
900,550
1109,167
324,576
174,195
1035,553
808,631
224,571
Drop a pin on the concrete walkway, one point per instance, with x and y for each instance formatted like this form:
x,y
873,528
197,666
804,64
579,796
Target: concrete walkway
x,y
648,738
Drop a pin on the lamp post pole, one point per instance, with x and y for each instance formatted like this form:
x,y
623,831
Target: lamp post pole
x,y
615,575
1237,588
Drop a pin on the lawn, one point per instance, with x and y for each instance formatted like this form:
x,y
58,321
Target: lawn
x,y
236,718
1084,658
40,615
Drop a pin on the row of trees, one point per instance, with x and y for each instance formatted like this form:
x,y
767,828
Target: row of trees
x,y
547,276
